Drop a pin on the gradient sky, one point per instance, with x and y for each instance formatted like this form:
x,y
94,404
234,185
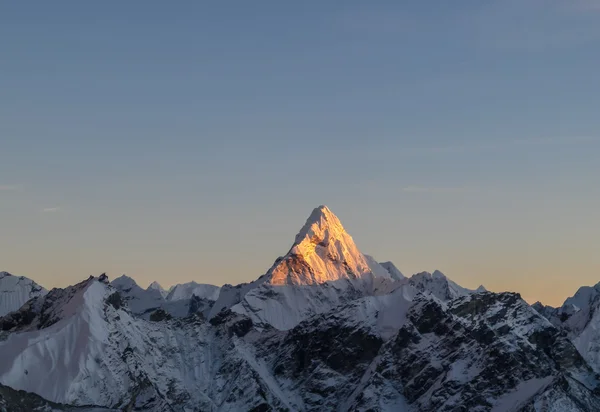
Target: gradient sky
x,y
178,141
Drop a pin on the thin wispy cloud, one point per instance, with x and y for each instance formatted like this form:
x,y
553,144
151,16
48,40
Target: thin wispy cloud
x,y
51,210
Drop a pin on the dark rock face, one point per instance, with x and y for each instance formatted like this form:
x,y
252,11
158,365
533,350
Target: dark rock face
x,y
200,305
223,317
430,319
115,300
232,323
465,355
240,327
20,401
21,318
159,315
341,349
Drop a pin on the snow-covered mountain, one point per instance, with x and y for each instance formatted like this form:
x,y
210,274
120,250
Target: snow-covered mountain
x,y
393,270
15,291
479,352
440,286
579,317
322,252
323,269
327,328
139,300
392,352
143,302
156,286
81,338
186,290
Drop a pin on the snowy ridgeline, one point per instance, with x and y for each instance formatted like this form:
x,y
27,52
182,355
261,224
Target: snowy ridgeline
x,y
327,328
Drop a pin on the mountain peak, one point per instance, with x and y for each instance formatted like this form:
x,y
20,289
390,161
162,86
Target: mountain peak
x,y
155,285
15,291
322,221
187,290
393,270
50,307
124,281
323,251
440,285
322,228
124,278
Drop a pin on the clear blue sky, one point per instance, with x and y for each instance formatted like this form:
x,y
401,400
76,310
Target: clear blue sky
x,y
190,140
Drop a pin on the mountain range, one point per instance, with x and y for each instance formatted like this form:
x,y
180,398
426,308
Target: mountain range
x,y
326,328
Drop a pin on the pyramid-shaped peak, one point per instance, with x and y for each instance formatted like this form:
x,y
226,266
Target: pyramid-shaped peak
x,y
323,213
155,285
322,223
323,209
323,251
438,274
